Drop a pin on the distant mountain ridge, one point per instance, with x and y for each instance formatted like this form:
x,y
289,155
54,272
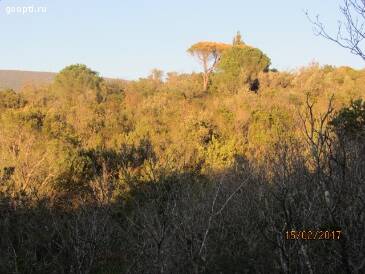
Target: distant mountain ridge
x,y
16,79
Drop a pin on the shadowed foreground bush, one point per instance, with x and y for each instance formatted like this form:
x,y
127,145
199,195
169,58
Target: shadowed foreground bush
x,y
232,222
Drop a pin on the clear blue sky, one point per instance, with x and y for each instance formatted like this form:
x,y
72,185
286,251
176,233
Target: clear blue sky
x,y
127,38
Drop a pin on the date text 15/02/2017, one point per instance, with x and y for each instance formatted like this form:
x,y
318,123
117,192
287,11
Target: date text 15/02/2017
x,y
313,235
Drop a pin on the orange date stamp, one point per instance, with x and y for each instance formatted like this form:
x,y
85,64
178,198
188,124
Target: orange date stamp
x,y
313,235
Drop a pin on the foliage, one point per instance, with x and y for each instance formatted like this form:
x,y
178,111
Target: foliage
x,y
208,54
350,120
11,99
207,50
78,78
237,40
219,156
156,175
240,65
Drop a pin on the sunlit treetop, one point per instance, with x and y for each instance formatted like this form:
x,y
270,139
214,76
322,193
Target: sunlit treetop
x,y
78,77
208,47
208,54
237,40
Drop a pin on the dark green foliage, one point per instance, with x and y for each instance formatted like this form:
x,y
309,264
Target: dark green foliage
x,y
240,66
6,174
11,99
350,121
33,119
78,78
57,127
78,172
134,156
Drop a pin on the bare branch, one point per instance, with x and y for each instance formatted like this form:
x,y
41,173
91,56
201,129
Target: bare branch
x,y
351,30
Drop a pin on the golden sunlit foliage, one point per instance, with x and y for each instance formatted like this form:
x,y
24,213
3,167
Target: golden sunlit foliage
x,y
208,54
205,131
158,175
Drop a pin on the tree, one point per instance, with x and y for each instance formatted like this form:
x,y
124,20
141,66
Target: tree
x,y
240,65
351,30
78,78
237,40
156,75
350,121
208,54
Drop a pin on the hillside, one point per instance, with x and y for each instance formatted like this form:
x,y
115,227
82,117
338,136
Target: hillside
x,y
15,79
116,164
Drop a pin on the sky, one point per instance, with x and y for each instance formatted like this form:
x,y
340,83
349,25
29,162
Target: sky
x,y
128,38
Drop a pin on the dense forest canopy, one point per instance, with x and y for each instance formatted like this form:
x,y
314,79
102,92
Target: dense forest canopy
x,y
188,173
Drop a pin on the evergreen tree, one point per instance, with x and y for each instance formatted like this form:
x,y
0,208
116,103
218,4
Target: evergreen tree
x,y
237,40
